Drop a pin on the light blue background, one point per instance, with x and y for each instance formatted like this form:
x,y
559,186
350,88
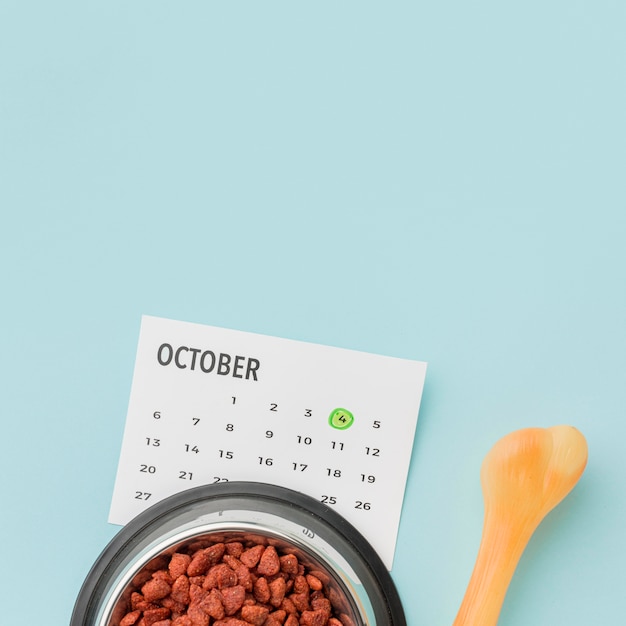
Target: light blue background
x,y
438,181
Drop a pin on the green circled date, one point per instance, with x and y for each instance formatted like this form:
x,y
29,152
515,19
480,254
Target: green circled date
x,y
341,419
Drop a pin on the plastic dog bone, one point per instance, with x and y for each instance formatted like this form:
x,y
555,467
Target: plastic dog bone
x,y
524,476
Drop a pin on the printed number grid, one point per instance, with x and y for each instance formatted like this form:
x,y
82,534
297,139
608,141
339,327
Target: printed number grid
x,y
335,424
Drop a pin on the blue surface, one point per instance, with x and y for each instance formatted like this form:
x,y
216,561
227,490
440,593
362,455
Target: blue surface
x,y
441,182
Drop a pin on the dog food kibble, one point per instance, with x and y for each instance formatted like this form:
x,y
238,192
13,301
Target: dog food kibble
x,y
233,584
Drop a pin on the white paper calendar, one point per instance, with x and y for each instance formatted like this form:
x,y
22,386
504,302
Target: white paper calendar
x,y
211,405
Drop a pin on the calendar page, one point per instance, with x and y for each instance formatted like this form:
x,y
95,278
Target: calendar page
x,y
210,405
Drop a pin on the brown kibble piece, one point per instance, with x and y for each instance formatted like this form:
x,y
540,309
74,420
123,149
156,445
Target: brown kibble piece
x,y
291,620
313,618
269,563
198,616
232,598
135,600
321,604
289,564
138,602
251,556
300,601
288,606
180,590
225,575
323,576
155,589
203,559
199,564
243,573
262,590
300,585
177,608
130,618
234,548
178,565
210,580
213,604
196,594
314,583
255,614
277,591
216,552
153,616
163,574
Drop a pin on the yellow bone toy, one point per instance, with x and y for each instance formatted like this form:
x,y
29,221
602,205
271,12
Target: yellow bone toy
x,y
524,476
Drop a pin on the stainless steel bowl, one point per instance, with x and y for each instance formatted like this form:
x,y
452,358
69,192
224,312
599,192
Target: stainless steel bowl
x,y
358,583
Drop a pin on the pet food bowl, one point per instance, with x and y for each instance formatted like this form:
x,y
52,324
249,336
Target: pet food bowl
x,y
356,581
